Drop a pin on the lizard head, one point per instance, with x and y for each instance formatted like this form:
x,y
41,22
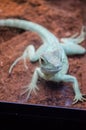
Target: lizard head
x,y
51,62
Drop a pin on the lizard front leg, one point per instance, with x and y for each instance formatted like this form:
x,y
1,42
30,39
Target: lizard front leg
x,y
30,54
73,80
62,76
32,86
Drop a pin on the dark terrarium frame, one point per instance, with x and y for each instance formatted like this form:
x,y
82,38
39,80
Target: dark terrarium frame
x,y
33,113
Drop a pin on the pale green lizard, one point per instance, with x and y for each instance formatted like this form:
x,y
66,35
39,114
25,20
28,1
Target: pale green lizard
x,y
53,62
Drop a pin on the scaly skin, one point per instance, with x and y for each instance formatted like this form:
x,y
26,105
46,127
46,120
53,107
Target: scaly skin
x,y
52,56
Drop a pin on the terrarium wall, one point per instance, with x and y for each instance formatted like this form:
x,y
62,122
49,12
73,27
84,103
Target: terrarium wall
x,y
63,19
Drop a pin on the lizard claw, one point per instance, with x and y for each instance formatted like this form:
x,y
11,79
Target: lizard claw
x,y
79,97
29,89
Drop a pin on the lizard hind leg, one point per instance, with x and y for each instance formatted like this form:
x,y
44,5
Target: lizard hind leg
x,y
73,49
77,49
81,37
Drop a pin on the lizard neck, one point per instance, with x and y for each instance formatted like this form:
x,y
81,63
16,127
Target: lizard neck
x,y
48,76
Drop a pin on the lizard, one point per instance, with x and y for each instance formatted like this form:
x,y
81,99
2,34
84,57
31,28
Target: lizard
x,y
52,56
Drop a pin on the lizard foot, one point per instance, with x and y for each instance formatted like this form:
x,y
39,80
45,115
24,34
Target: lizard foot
x,y
29,89
79,97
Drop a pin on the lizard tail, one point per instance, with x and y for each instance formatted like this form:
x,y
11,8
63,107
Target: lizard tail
x,y
27,25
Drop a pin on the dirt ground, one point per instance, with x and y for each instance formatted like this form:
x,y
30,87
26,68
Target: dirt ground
x,y
63,19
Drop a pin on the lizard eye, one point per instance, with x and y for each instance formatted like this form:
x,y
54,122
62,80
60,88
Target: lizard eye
x,y
42,61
